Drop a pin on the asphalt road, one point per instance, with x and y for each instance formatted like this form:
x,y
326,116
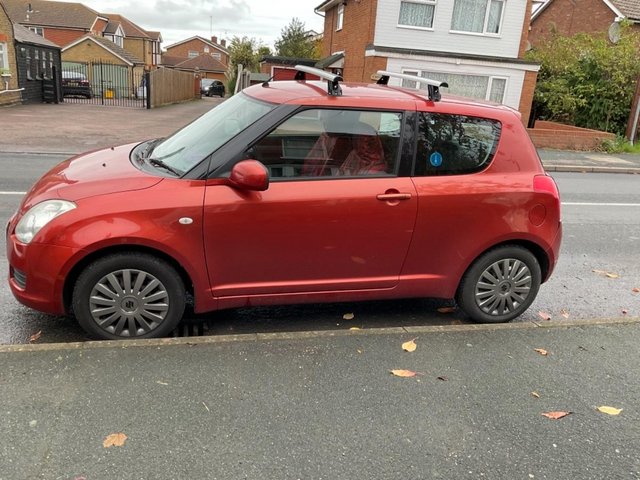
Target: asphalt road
x,y
601,215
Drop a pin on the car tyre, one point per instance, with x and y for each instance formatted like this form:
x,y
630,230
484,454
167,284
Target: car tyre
x,y
128,295
500,285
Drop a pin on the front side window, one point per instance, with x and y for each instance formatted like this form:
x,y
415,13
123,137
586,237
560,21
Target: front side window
x,y
417,13
4,60
332,143
455,144
190,145
340,18
477,16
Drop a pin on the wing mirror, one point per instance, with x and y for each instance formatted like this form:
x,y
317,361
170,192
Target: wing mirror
x,y
249,175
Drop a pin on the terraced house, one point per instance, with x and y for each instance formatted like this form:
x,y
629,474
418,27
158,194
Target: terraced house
x,y
476,46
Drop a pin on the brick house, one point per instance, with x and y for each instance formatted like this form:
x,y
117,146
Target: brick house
x,y
8,68
567,17
477,46
283,68
195,46
204,65
64,23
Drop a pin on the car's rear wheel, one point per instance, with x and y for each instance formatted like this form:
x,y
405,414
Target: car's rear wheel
x,y
500,285
129,295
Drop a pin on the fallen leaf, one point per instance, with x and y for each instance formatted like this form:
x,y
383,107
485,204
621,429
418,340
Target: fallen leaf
x,y
556,415
403,373
355,328
564,313
409,346
544,316
625,311
446,310
359,351
348,316
443,378
606,274
541,351
35,337
636,290
535,394
205,406
610,410
162,383
114,440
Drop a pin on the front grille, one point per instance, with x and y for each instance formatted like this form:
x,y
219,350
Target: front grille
x,y
20,278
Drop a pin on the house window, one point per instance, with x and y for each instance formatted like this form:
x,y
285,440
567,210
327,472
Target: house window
x,y
217,56
37,65
340,18
37,31
417,14
410,83
206,49
477,16
483,87
4,60
193,54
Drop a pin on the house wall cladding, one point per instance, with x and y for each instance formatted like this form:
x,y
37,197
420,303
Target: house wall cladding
x,y
441,39
31,71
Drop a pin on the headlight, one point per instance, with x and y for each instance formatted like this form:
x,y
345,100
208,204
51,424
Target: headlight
x,y
38,216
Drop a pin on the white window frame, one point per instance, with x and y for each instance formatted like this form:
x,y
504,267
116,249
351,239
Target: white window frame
x,y
37,31
484,32
421,2
193,53
217,56
340,18
490,86
4,56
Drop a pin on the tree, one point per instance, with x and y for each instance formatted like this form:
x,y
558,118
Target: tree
x,y
295,41
586,80
243,51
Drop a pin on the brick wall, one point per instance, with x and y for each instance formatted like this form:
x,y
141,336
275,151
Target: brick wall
x,y
357,32
569,17
526,97
89,50
6,37
525,31
196,45
566,137
139,47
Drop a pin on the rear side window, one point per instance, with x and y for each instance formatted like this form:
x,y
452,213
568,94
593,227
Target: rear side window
x,y
454,144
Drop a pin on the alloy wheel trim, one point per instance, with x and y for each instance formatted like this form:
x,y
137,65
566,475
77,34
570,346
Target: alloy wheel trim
x,y
503,287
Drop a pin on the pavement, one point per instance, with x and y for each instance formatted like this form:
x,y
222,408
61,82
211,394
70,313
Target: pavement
x,y
72,128
315,405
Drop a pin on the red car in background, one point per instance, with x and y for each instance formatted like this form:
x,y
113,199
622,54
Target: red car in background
x,y
294,192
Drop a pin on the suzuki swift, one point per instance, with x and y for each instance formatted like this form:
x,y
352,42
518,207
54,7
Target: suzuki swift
x,y
294,192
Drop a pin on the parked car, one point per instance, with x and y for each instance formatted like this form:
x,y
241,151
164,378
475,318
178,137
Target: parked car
x,y
211,87
75,84
295,193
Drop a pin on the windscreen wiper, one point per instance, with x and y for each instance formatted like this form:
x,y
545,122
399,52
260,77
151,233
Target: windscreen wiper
x,y
159,163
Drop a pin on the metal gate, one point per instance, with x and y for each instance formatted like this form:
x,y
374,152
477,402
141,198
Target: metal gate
x,y
103,83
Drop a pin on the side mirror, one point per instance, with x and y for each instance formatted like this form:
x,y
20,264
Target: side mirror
x,y
249,175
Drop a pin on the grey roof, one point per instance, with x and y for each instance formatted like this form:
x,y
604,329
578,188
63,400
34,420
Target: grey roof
x,y
54,14
325,62
278,60
24,35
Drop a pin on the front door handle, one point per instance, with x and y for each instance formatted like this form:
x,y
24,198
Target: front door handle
x,y
391,197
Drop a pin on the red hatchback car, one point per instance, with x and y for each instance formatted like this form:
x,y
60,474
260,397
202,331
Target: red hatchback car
x,y
294,192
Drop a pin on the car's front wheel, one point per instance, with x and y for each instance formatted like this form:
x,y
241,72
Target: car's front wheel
x,y
129,295
500,285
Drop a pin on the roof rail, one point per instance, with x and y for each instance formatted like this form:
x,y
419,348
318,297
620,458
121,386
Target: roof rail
x,y
333,85
433,86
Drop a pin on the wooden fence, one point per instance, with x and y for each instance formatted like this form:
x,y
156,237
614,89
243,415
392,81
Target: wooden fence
x,y
171,86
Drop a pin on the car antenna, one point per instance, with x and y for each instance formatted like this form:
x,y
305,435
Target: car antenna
x,y
433,86
333,80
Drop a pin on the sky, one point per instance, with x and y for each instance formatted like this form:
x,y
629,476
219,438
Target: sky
x,y
181,19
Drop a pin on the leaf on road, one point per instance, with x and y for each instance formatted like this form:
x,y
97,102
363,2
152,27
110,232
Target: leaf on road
x,y
625,311
610,410
535,394
409,346
606,274
564,313
541,351
348,316
355,328
35,337
403,373
114,440
636,290
446,310
443,378
161,383
544,316
556,415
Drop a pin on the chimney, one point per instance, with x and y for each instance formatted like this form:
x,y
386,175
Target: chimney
x,y
223,42
214,40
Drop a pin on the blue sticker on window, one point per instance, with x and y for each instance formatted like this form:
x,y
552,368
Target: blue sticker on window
x,y
435,159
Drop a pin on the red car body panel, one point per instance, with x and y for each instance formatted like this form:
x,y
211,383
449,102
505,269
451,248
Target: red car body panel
x,y
297,241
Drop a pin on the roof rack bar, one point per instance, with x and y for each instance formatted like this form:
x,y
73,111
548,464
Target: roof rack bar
x,y
333,80
433,86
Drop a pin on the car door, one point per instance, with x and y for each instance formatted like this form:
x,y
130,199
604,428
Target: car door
x,y
345,226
